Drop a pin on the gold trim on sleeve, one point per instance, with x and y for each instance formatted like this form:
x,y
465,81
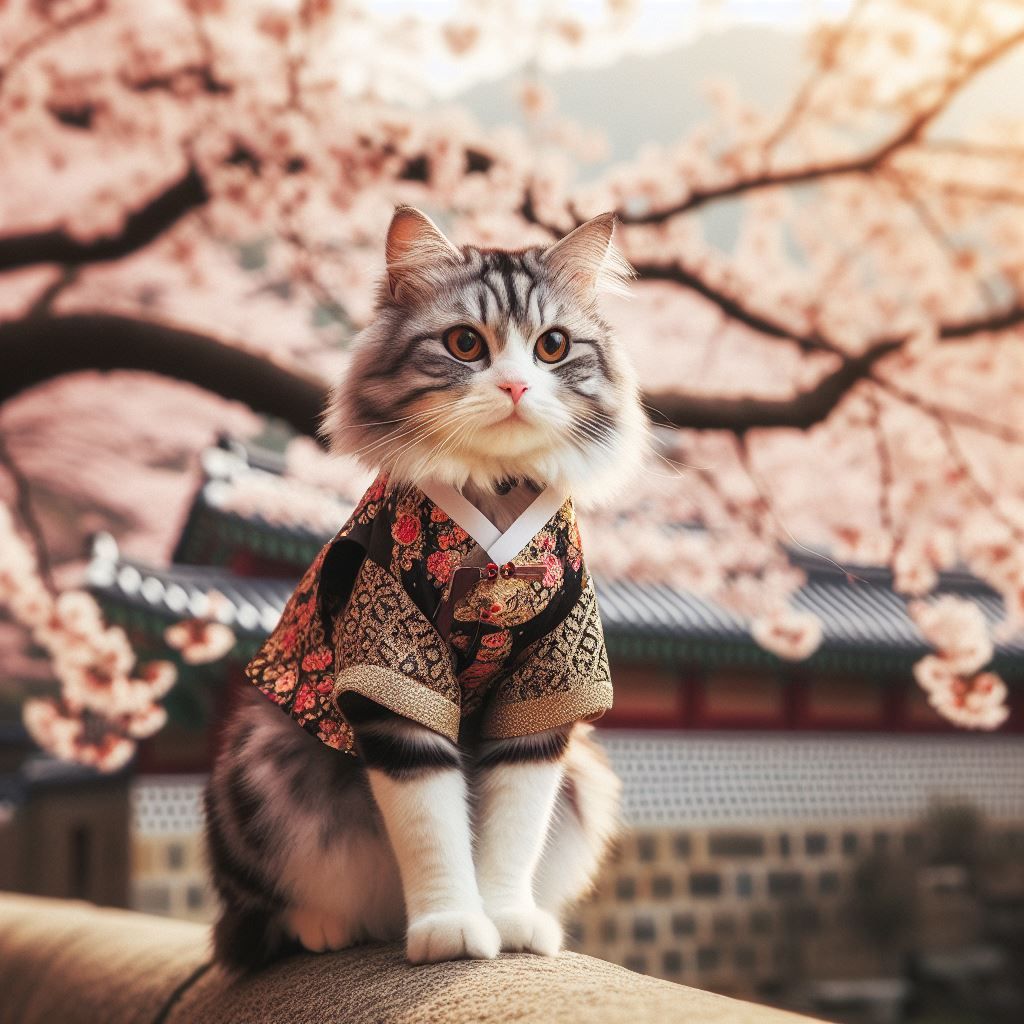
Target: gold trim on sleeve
x,y
403,695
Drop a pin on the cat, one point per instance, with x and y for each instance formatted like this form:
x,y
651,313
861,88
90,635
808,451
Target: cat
x,y
494,373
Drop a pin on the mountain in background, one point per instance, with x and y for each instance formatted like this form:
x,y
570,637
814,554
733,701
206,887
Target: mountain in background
x,y
655,97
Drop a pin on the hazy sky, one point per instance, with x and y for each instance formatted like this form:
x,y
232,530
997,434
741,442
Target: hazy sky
x,y
650,26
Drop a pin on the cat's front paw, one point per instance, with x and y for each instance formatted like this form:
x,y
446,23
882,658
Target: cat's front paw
x,y
451,935
529,929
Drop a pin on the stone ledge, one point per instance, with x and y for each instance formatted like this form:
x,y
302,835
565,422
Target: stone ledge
x,y
79,964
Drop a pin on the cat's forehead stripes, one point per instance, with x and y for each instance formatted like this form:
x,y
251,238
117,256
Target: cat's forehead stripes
x,y
505,286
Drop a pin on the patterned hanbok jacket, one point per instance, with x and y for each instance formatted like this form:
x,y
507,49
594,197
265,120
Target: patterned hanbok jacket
x,y
420,604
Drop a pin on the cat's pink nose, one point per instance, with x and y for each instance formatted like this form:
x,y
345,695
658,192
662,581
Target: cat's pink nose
x,y
515,389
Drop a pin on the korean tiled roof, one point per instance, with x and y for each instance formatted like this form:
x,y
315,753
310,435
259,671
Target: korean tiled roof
x,y
861,616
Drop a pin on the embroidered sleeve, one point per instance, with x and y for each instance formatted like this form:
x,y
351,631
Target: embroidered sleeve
x,y
389,651
563,677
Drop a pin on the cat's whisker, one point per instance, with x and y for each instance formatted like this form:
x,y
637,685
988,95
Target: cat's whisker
x,y
425,421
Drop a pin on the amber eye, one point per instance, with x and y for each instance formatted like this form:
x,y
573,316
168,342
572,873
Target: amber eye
x,y
464,343
552,346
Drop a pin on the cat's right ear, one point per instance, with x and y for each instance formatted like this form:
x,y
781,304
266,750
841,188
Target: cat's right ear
x,y
416,250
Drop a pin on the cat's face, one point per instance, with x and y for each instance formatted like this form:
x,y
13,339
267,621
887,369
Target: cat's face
x,y
484,364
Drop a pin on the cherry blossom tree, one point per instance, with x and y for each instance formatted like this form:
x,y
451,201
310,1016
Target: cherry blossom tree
x,y
198,189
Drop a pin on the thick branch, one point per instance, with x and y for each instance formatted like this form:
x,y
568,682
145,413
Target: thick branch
x,y
38,349
34,351
799,412
140,228
808,408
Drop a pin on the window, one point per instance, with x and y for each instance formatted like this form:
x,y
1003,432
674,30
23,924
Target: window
x,y
175,856
609,929
745,958
785,883
646,848
785,847
815,844
661,887
736,844
625,888
683,924
724,926
880,841
707,958
744,885
705,883
195,897
828,883
636,963
851,843
644,930
681,845
672,962
761,922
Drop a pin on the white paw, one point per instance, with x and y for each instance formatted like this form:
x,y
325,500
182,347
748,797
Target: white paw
x,y
451,935
528,928
318,930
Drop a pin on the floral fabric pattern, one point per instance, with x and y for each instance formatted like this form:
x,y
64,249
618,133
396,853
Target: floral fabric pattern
x,y
363,617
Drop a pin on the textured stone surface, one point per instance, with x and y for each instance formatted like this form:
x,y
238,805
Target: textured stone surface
x,y
73,963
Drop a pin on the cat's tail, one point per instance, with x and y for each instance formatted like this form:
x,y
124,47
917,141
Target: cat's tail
x,y
586,819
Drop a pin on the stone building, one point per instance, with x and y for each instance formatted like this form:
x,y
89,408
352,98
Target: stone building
x,y
64,832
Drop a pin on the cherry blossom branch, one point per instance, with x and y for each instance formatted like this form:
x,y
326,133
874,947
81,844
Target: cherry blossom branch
x,y
1001,194
803,97
38,350
859,164
29,46
732,306
962,417
983,495
964,147
865,162
141,227
928,220
886,476
97,341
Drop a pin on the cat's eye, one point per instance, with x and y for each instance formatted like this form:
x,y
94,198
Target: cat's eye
x,y
552,346
464,343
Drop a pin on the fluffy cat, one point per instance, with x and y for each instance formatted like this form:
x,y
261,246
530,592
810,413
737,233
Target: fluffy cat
x,y
493,372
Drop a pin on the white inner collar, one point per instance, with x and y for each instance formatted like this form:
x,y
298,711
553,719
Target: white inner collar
x,y
502,547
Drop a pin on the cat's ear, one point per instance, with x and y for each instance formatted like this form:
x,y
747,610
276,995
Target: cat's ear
x,y
416,250
589,258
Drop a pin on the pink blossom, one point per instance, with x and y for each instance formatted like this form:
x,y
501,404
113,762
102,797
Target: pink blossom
x,y
199,641
790,634
957,629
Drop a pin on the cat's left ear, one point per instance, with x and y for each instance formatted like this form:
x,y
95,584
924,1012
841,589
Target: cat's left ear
x,y
416,250
589,258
